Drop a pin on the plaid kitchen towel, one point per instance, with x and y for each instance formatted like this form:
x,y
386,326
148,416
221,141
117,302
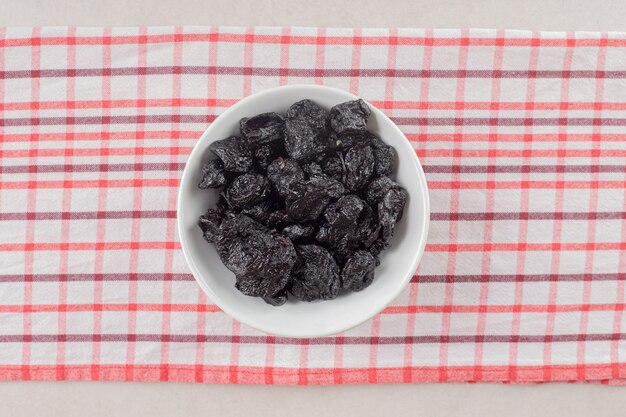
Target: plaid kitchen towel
x,y
522,137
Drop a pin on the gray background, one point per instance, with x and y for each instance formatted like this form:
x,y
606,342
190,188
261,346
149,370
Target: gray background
x,y
70,399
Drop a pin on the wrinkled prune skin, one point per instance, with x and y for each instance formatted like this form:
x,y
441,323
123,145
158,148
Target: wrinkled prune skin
x,y
277,299
305,130
317,275
210,224
247,190
278,220
347,140
264,155
350,116
299,232
312,168
260,287
259,212
333,167
234,153
376,248
377,189
262,129
384,156
308,207
308,109
359,164
306,202
358,272
390,211
384,160
367,229
340,226
326,185
213,175
331,238
344,212
222,205
261,259
287,177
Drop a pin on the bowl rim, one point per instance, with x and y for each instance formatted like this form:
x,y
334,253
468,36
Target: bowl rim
x,y
232,312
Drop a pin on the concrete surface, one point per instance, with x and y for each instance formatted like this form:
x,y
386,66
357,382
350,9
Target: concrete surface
x,y
70,399
605,15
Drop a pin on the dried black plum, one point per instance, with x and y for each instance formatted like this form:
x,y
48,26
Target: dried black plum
x,y
316,179
263,128
278,220
384,160
326,185
359,164
284,168
259,212
277,299
234,153
210,224
260,258
342,252
350,116
264,155
384,156
376,248
330,237
213,175
347,140
308,109
247,190
344,212
222,205
260,285
337,241
308,207
340,226
367,228
378,188
287,178
312,168
305,130
358,272
390,211
299,232
317,275
333,167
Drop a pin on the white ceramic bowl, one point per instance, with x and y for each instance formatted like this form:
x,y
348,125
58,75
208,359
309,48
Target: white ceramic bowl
x,y
297,318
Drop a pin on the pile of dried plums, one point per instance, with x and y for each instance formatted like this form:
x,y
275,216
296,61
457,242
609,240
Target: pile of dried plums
x,y
307,202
